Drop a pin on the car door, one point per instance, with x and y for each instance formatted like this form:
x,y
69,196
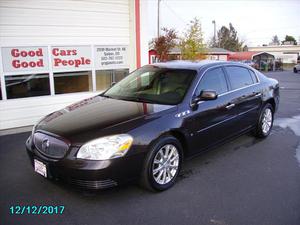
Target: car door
x,y
214,120
246,93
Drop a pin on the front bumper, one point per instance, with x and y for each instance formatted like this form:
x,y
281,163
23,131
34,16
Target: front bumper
x,y
89,174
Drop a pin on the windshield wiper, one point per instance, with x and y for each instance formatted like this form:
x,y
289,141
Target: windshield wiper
x,y
105,96
131,98
136,99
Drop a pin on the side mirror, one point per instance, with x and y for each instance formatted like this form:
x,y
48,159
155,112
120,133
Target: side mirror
x,y
112,84
205,95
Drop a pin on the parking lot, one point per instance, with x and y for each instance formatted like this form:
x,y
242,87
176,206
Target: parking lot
x,y
246,181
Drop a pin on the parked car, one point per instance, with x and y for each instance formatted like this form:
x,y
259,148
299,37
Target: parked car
x,y
144,126
296,68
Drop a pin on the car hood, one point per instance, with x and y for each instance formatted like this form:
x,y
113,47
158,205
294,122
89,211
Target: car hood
x,y
98,116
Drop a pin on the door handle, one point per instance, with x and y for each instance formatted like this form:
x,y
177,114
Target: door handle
x,y
230,106
258,95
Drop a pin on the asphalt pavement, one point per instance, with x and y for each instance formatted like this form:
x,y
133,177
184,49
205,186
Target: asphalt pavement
x,y
244,182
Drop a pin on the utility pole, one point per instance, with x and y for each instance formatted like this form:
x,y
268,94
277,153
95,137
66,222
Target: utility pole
x,y
158,26
214,22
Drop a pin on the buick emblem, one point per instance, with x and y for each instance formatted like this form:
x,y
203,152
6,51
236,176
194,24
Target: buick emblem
x,y
45,144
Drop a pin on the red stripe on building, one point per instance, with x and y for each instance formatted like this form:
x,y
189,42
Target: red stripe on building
x,y
137,33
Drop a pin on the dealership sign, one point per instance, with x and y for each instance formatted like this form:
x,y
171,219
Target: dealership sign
x,y
63,58
71,58
107,57
22,59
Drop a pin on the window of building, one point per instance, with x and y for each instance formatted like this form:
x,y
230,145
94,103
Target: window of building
x,y
103,79
71,82
213,80
120,74
239,77
30,85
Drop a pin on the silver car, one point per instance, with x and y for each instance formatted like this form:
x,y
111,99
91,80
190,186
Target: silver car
x,y
296,68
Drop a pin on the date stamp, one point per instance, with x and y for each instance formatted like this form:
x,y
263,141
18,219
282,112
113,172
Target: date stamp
x,y
36,209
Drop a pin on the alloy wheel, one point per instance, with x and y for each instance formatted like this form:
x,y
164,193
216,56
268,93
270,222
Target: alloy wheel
x,y
165,164
267,120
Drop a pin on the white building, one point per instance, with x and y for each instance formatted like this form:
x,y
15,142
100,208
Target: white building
x,y
287,53
56,52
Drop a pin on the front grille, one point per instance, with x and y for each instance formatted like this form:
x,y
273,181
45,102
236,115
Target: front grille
x,y
50,146
93,184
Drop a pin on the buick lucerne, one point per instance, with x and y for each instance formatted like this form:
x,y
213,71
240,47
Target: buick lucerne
x,y
142,128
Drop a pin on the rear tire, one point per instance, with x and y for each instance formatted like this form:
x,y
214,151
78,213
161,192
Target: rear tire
x,y
162,164
295,70
265,122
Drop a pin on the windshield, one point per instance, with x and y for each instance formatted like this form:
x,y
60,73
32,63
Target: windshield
x,y
153,85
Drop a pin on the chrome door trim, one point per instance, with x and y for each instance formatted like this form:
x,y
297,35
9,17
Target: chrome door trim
x,y
223,121
216,124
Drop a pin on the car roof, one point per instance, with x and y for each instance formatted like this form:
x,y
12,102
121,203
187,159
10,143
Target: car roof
x,y
194,65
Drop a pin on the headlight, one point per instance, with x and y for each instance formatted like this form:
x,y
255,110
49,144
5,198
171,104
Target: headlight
x,y
106,147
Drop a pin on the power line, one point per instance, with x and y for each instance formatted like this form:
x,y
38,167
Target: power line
x,y
174,13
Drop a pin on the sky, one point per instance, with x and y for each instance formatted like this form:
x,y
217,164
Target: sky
x,y
255,21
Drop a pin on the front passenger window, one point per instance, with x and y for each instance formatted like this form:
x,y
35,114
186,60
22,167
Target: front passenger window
x,y
213,80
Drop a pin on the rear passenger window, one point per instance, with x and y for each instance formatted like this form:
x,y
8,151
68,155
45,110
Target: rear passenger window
x,y
239,77
254,78
213,80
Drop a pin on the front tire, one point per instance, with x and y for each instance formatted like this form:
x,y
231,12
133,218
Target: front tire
x,y
295,70
265,122
162,164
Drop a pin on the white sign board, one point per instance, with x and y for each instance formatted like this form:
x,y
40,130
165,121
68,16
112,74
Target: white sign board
x,y
24,59
111,57
71,58
286,58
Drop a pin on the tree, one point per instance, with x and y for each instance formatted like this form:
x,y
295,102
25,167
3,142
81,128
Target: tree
x,y
212,43
289,38
228,39
192,44
275,40
165,42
